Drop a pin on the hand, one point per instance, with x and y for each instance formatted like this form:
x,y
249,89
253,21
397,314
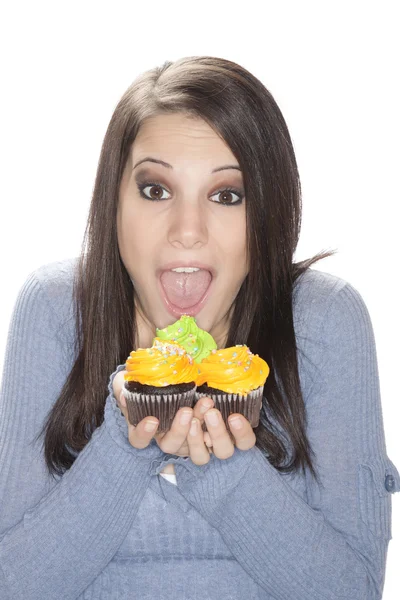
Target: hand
x,y
189,439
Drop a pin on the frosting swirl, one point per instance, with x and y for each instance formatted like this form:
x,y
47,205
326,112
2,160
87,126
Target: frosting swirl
x,y
163,364
197,342
234,370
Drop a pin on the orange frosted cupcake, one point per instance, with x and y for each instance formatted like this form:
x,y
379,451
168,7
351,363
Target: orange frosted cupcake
x,y
234,378
159,381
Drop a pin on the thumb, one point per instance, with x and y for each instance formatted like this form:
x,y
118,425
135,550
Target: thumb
x,y
122,405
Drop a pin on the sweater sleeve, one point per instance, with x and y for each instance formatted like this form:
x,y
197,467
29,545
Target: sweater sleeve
x,y
56,536
334,544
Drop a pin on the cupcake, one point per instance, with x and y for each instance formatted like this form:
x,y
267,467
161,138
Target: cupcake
x,y
185,332
159,381
234,379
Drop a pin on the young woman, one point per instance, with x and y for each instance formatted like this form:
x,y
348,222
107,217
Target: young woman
x,y
197,170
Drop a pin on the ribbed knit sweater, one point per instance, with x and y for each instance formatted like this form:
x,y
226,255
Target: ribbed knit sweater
x,y
112,528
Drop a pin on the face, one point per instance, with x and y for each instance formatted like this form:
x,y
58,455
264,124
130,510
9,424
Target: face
x,y
181,232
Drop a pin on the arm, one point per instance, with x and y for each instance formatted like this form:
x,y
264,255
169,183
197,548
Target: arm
x,y
50,529
333,546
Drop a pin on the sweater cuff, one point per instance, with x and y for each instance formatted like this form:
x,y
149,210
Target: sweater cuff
x,y
117,426
207,487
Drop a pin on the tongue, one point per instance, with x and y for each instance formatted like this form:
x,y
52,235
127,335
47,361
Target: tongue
x,y
185,289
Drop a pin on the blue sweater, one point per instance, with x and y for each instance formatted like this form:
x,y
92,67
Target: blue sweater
x,y
112,528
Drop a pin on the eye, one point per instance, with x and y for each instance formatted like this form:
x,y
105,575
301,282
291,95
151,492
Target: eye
x,y
226,194
155,196
157,189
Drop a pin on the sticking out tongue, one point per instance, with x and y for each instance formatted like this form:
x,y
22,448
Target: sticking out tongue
x,y
185,289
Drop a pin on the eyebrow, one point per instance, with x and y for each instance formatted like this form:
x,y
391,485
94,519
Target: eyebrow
x,y
168,166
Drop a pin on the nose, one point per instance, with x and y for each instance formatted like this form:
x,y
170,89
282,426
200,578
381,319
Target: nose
x,y
187,225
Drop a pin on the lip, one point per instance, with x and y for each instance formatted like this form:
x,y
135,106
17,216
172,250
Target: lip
x,y
185,264
196,308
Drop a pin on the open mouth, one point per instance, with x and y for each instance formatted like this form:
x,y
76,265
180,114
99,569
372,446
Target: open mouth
x,y
185,289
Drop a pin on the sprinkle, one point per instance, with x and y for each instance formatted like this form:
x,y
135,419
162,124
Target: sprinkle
x,y
229,362
239,363
234,354
195,349
175,372
180,330
213,351
260,371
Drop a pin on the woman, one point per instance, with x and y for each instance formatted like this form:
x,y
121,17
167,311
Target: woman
x,y
197,170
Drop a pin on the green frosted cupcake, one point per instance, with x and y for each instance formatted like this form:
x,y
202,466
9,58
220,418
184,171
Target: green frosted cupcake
x,y
185,332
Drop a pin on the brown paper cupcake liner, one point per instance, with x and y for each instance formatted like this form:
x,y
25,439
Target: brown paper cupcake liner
x,y
162,406
249,406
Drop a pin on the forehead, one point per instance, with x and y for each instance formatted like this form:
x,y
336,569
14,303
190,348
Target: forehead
x,y
180,135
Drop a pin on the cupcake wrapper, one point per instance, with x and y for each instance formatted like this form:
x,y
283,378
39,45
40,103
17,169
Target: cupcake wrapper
x,y
249,406
162,406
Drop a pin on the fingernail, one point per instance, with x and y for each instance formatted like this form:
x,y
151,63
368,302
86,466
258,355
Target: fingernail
x,y
236,423
150,426
193,427
205,406
122,399
185,417
212,418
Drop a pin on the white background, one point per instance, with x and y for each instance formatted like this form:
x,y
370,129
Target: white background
x,y
333,69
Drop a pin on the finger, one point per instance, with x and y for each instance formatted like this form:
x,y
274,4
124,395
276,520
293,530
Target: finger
x,y
242,431
177,434
118,383
207,439
140,436
222,444
201,407
121,401
199,453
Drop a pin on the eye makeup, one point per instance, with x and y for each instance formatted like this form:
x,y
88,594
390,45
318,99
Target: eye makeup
x,y
141,185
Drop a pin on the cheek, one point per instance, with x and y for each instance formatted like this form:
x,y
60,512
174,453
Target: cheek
x,y
232,241
133,235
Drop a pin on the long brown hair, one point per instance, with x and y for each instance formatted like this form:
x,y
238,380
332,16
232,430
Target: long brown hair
x,y
240,109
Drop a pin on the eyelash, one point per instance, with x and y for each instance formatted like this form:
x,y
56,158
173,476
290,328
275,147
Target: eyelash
x,y
142,186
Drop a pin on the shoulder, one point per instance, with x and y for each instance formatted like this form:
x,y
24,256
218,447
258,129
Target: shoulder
x,y
49,288
331,319
324,302
56,278
314,291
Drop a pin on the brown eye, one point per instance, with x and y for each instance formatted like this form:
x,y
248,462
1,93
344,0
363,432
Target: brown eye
x,y
227,196
154,193
156,190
